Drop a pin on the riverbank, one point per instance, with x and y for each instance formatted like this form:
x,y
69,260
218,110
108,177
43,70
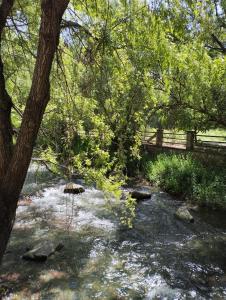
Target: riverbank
x,y
189,178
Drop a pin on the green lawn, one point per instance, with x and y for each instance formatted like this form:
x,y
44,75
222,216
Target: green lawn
x,y
213,135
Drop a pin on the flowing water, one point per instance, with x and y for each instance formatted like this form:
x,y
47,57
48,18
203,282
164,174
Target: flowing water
x,y
160,258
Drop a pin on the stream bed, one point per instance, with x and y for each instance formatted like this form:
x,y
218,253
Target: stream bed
x,y
161,257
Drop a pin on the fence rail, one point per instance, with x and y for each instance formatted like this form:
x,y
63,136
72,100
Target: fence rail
x,y
188,140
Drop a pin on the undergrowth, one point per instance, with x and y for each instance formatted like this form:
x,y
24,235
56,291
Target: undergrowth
x,y
189,178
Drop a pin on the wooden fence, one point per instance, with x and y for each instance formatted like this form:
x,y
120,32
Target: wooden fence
x,y
188,140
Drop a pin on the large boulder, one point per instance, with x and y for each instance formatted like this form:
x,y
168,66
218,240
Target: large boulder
x,y
140,194
73,188
42,251
183,214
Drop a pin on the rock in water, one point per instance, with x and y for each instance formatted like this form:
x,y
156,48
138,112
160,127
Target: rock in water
x,y
140,194
183,214
42,251
73,188
194,208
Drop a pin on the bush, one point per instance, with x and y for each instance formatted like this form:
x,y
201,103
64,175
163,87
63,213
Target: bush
x,y
211,191
175,173
184,176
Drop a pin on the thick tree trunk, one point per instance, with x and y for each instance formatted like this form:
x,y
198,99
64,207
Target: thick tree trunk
x,y
5,100
12,183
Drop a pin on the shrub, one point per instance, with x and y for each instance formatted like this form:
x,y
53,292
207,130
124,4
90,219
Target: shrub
x,y
211,191
185,176
175,173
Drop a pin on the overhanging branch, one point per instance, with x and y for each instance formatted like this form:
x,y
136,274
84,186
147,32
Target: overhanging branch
x,y
220,44
75,25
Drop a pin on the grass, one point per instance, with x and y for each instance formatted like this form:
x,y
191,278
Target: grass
x,y
214,135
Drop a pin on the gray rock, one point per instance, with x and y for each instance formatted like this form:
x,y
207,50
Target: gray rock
x,y
140,194
183,214
73,188
42,251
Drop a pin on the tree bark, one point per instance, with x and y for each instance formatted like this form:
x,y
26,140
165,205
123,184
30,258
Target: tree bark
x,y
12,183
6,143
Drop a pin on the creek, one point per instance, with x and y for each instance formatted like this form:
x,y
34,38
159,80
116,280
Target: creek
x,y
161,257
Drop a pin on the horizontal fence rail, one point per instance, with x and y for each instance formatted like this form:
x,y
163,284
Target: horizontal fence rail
x,y
188,140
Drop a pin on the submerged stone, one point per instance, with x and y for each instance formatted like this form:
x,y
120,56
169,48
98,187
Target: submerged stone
x,y
42,251
183,214
73,188
140,194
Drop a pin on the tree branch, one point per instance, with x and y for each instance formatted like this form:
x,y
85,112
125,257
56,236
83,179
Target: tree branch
x,y
76,25
221,45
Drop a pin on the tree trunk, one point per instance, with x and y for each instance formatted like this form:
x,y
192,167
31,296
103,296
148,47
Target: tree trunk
x,y
6,143
12,182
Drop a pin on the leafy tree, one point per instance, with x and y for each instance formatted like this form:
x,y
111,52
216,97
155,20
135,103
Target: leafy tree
x,y
15,159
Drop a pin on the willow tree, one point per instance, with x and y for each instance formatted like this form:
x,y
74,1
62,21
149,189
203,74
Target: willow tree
x,y
15,158
117,87
197,92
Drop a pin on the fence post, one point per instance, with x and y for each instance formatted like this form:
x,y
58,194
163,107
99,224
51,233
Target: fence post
x,y
159,137
190,140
